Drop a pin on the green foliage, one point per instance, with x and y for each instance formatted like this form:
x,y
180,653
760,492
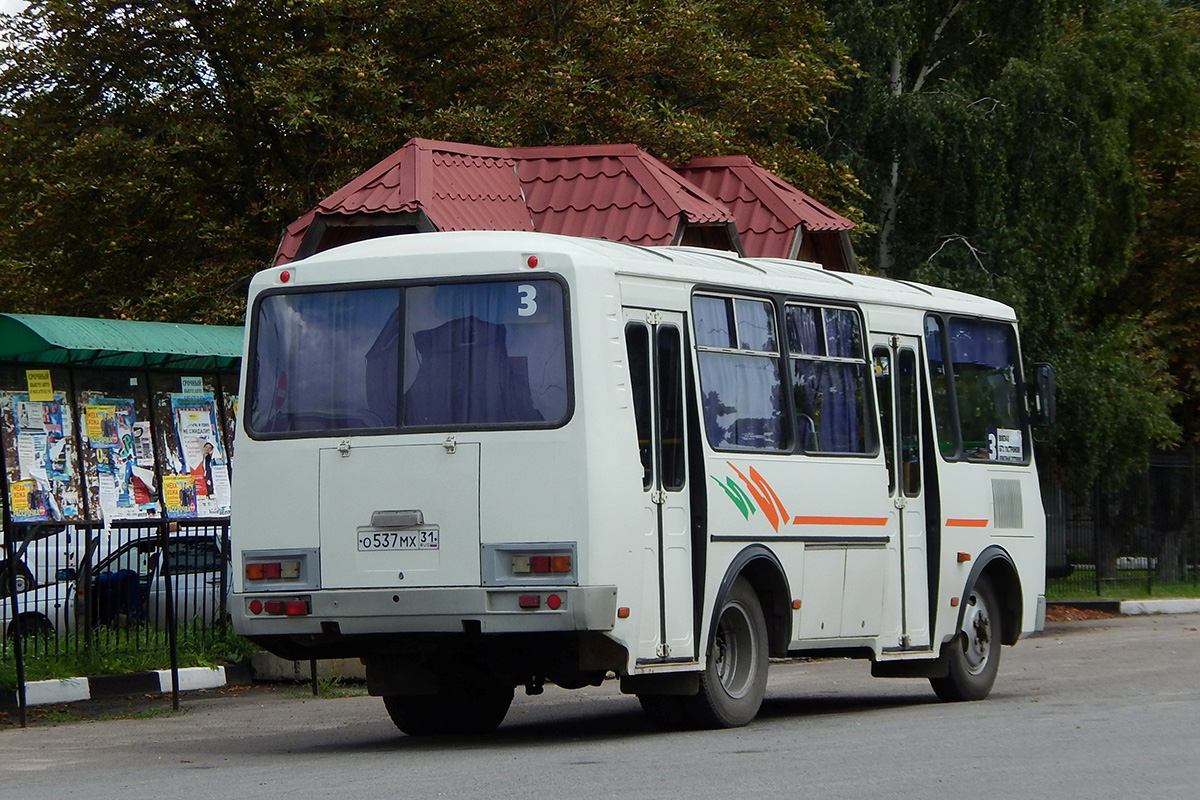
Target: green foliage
x,y
151,153
1004,148
1030,151
111,654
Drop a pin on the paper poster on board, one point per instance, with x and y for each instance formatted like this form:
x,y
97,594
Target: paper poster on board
x,y
27,502
40,449
100,422
126,485
201,455
179,499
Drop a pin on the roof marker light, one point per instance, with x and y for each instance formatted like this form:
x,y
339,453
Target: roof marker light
x,y
285,276
532,261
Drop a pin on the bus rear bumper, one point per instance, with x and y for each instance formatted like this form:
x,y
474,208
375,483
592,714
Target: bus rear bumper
x,y
425,610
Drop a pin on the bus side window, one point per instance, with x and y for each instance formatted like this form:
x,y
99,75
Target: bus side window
x,y
883,388
741,389
637,345
830,383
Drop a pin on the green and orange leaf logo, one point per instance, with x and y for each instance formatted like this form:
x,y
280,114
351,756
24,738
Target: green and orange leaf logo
x,y
756,490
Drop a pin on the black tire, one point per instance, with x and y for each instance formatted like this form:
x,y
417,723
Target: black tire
x,y
465,709
32,625
735,673
666,711
25,580
974,653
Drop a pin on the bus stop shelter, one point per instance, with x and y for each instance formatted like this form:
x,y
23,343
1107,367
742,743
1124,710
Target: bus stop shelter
x,y
105,421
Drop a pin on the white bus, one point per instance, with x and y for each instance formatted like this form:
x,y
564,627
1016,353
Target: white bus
x,y
486,460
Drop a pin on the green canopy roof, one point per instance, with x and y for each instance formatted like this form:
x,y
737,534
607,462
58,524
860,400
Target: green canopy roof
x,y
38,339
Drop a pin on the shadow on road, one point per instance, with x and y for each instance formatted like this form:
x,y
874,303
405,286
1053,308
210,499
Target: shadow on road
x,y
621,719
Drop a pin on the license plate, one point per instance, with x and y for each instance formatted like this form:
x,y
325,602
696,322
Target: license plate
x,y
423,539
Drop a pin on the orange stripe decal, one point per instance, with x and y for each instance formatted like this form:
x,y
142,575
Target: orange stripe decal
x,y
966,523
868,521
764,504
766,487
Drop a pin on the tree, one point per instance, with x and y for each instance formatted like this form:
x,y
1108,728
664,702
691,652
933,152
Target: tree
x,y
1004,148
151,153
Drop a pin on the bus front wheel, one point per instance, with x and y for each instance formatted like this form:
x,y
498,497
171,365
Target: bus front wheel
x,y
974,653
735,675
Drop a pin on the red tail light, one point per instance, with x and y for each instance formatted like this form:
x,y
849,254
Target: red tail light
x,y
296,607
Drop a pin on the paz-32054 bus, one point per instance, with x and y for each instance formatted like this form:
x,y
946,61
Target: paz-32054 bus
x,y
486,460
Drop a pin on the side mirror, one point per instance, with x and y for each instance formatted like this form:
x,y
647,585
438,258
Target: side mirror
x,y
1041,394
68,574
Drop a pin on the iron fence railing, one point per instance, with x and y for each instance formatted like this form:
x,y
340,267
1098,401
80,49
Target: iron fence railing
x,y
1142,539
131,587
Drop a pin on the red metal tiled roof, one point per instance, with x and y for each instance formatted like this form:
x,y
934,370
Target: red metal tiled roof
x,y
458,186
616,192
767,209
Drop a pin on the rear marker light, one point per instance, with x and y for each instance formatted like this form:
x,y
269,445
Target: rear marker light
x,y
256,607
273,571
953,602
541,565
553,602
964,557
623,613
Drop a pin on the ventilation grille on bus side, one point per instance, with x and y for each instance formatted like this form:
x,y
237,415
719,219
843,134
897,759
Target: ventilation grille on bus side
x,y
1006,504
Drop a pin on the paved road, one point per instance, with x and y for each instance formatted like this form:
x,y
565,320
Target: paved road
x,y
1087,710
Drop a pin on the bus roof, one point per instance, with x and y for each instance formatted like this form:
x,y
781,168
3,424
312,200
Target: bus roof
x,y
690,264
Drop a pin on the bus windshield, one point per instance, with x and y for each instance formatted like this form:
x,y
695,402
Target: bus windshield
x,y
463,354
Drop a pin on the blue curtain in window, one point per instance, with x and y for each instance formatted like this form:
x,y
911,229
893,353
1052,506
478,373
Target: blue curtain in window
x,y
804,330
982,344
467,376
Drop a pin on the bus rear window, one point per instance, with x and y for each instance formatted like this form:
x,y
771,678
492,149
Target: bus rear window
x,y
450,355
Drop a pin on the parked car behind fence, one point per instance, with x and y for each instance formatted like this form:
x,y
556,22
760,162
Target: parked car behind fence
x,y
117,588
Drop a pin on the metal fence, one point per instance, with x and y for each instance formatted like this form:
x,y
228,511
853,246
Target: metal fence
x,y
134,588
1144,539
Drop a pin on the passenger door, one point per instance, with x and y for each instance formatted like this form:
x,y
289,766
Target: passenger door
x,y
655,347
898,385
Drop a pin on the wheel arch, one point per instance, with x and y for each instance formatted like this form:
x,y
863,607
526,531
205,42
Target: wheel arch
x,y
1001,572
765,574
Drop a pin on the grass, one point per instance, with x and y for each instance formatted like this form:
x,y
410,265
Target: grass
x,y
120,653
1128,585
331,686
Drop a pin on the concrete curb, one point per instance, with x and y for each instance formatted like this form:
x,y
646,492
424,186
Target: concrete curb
x,y
74,690
1179,606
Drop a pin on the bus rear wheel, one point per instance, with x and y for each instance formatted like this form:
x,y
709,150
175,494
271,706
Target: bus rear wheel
x,y
464,708
974,653
735,675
